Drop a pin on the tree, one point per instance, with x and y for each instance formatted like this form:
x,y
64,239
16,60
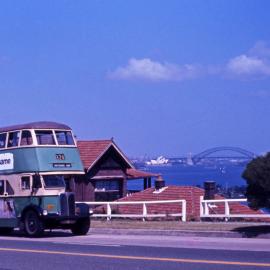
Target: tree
x,y
257,176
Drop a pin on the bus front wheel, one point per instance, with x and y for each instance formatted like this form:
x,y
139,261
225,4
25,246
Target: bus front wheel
x,y
81,227
33,226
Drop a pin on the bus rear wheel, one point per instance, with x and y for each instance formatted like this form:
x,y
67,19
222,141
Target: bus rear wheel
x,y
81,227
33,226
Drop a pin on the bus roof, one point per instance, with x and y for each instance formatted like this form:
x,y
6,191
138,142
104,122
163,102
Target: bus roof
x,y
36,125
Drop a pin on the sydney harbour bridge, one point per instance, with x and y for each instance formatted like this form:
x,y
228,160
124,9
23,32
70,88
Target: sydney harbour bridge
x,y
222,153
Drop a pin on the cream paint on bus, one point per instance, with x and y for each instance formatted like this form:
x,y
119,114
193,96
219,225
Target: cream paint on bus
x,y
15,182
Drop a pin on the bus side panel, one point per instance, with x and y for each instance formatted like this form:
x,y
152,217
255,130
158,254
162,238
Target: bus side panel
x,y
59,158
41,159
7,213
21,202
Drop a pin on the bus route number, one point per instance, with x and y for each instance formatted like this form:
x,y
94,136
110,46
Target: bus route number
x,y
60,156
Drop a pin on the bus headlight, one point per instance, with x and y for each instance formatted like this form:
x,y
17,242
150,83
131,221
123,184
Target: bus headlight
x,y
45,212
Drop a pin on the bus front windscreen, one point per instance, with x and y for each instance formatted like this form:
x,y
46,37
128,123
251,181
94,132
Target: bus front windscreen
x,y
54,181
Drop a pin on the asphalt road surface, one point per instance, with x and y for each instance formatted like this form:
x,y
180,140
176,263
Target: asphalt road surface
x,y
61,250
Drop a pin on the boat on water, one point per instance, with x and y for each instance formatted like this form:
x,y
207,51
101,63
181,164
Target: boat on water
x,y
161,160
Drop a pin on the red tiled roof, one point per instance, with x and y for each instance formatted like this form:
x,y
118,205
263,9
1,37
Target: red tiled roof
x,y
90,151
136,174
188,193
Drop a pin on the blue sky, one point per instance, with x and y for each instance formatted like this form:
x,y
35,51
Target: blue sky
x,y
161,77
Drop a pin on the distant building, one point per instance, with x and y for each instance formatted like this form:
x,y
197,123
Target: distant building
x,y
107,171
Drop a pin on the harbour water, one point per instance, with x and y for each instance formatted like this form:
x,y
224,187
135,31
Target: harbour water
x,y
229,175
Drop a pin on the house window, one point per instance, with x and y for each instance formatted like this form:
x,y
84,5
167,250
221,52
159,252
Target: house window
x,y
107,185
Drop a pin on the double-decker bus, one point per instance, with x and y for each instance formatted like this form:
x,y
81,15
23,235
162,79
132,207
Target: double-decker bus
x,y
38,161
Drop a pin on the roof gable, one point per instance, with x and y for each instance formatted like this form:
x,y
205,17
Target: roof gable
x,y
92,151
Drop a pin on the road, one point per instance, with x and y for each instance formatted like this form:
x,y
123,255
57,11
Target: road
x,y
61,250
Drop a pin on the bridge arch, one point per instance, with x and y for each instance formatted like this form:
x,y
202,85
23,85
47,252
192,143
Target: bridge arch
x,y
210,151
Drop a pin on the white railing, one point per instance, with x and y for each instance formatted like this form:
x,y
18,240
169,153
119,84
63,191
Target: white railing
x,y
207,206
144,214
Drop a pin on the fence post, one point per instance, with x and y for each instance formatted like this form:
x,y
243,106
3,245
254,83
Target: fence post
x,y
184,211
201,206
109,212
144,211
206,209
227,210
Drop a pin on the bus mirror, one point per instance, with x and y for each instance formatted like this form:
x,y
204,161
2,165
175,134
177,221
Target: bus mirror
x,y
36,181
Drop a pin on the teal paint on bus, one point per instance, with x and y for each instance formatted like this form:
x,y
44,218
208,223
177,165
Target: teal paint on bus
x,y
21,202
9,222
51,204
44,159
44,202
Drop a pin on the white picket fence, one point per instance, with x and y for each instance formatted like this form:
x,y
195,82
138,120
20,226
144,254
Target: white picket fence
x,y
207,209
144,214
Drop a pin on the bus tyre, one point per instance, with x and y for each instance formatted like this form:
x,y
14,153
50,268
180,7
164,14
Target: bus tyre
x,y
81,227
33,226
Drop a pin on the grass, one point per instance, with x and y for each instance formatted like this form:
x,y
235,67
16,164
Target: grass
x,y
172,225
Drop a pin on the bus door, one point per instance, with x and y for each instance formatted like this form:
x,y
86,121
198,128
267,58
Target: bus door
x,y
6,203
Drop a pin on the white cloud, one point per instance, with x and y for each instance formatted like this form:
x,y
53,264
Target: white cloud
x,y
147,69
254,64
261,48
248,65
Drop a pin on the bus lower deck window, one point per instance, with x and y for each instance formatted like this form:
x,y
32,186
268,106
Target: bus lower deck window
x,y
25,182
9,189
51,181
2,187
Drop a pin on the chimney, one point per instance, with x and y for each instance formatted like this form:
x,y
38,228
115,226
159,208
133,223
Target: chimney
x,y
159,183
209,190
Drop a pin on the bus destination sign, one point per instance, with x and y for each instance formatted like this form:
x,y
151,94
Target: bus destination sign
x,y
6,161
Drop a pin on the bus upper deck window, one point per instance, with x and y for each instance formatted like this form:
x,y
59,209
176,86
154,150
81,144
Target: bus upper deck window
x,y
26,138
3,137
13,138
64,137
45,137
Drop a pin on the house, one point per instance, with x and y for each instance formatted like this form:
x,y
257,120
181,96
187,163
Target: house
x,y
107,171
